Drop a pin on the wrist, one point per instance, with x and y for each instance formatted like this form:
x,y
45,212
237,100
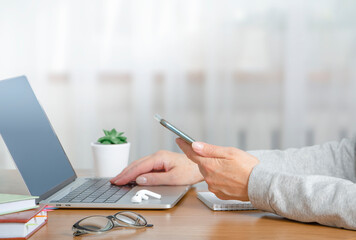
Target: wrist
x,y
254,164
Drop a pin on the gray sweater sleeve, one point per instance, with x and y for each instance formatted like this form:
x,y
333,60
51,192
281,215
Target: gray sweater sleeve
x,y
312,184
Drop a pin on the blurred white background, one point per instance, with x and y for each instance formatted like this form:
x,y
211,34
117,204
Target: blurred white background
x,y
250,74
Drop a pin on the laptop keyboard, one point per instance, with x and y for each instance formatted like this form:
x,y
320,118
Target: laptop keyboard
x,y
96,191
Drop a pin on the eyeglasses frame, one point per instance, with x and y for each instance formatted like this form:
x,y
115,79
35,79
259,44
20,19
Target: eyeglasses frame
x,y
79,230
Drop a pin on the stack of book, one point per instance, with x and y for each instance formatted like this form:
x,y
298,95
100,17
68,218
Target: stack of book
x,y
20,217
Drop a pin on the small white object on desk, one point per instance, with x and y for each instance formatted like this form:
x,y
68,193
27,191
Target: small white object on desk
x,y
216,204
143,194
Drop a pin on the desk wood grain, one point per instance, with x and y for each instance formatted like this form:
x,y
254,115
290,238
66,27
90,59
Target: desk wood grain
x,y
190,219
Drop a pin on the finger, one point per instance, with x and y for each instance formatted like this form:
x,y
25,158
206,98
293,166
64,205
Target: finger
x,y
131,174
222,196
156,178
218,193
128,168
212,151
187,149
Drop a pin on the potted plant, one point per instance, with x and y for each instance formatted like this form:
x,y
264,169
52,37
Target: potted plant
x,y
111,153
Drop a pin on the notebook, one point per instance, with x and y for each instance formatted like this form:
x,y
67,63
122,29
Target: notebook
x,y
216,204
13,203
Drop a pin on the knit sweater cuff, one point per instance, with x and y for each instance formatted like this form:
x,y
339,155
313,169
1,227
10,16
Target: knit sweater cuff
x,y
258,188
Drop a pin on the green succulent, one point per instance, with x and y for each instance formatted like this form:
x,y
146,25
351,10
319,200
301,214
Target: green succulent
x,y
112,137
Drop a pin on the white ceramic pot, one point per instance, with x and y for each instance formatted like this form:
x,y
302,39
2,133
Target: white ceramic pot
x,y
110,159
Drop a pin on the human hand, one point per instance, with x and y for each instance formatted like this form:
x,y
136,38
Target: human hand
x,y
160,168
226,170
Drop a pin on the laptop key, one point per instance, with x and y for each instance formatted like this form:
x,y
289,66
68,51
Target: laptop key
x,y
116,197
111,200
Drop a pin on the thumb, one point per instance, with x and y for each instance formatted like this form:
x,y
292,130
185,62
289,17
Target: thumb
x,y
155,178
212,151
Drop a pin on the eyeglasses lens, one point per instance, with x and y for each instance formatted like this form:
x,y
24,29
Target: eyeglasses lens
x,y
130,219
96,224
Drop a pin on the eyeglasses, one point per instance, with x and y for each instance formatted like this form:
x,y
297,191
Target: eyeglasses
x,y
99,224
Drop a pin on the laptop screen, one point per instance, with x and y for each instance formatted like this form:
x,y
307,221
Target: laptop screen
x,y
31,140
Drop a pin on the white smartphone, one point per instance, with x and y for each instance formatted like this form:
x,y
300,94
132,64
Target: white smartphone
x,y
173,129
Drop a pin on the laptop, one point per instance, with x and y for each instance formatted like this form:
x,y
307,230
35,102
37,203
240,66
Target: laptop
x,y
46,169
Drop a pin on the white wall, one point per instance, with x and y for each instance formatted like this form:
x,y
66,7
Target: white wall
x,y
251,74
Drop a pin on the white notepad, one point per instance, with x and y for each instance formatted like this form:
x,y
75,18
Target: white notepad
x,y
210,200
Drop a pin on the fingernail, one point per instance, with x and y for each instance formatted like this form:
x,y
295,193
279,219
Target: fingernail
x,y
141,180
197,146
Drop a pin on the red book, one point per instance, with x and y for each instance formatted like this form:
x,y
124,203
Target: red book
x,y
22,225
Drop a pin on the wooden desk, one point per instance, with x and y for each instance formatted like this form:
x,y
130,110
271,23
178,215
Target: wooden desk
x,y
190,219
